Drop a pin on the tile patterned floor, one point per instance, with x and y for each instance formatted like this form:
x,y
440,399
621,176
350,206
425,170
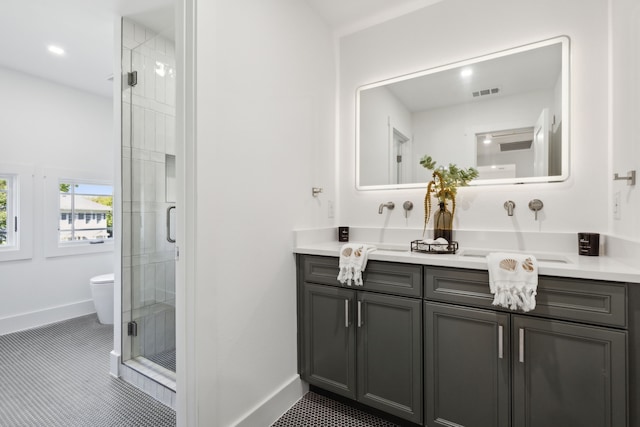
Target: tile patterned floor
x,y
166,359
315,410
58,376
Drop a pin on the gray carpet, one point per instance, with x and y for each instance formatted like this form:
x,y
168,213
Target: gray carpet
x,y
58,376
315,410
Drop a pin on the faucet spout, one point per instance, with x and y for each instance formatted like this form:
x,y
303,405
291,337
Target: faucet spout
x,y
388,205
509,205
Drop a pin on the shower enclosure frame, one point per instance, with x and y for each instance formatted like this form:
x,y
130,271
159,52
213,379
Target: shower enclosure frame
x,y
148,202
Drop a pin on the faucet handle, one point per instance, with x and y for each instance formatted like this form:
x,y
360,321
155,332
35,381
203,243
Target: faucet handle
x,y
509,205
536,205
408,205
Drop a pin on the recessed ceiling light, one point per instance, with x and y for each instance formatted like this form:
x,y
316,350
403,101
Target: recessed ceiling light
x,y
487,139
466,72
56,50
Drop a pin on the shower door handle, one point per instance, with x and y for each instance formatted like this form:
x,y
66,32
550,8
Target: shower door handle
x,y
169,239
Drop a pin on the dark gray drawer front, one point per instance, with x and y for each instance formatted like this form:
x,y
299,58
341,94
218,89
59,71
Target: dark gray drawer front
x,y
561,298
379,276
321,269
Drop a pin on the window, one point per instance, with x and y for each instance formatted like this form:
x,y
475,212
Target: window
x,y
16,212
7,209
78,194
85,201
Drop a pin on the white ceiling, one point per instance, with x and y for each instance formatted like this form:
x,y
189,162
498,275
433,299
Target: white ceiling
x,y
346,16
84,28
512,74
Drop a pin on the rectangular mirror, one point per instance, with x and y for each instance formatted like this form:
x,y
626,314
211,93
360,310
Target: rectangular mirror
x,y
505,114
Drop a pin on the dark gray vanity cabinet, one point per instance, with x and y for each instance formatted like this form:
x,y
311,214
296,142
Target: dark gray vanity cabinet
x,y
426,344
568,357
389,354
329,339
467,367
362,344
565,374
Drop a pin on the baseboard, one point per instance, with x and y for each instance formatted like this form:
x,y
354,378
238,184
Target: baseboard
x,y
267,412
114,363
34,319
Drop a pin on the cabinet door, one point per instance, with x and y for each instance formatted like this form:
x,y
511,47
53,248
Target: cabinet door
x,y
467,367
568,375
389,341
329,339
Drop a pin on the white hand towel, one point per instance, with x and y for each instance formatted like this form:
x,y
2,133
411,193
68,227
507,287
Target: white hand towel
x,y
353,261
513,279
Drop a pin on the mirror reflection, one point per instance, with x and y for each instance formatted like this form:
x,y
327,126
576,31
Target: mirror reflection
x,y
505,114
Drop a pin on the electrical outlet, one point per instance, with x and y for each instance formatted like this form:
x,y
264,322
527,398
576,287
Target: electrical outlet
x,y
616,205
330,209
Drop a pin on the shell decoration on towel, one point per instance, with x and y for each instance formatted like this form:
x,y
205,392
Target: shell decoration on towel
x,y
508,264
527,265
347,252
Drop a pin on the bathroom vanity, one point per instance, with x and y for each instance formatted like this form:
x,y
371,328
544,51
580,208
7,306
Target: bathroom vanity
x,y
421,340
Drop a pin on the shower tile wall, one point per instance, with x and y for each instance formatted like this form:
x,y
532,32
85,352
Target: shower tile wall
x,y
148,139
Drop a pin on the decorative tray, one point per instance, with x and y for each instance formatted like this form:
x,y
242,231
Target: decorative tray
x,y
434,248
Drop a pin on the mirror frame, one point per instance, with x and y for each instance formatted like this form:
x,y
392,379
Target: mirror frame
x,y
565,108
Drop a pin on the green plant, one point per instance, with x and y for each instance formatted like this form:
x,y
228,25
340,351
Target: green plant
x,y
444,184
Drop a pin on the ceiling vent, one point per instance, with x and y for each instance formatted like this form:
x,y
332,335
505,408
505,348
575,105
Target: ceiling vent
x,y
485,92
513,139
518,145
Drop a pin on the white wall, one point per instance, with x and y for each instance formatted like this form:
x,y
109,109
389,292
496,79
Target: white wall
x,y
380,113
265,137
449,134
46,125
447,32
624,114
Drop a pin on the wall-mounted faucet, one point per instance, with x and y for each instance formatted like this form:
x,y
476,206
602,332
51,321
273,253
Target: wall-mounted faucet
x,y
509,205
388,205
536,205
407,206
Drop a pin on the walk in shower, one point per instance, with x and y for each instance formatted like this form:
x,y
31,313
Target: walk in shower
x,y
148,201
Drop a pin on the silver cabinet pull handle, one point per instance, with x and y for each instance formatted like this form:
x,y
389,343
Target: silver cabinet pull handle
x,y
169,239
521,352
500,343
359,314
346,313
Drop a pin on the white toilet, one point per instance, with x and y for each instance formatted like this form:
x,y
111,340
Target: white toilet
x,y
102,293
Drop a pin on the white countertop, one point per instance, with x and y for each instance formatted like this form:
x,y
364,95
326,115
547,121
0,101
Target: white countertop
x,y
573,265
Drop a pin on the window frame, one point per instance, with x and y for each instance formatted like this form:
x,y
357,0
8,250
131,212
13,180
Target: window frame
x,y
53,246
19,212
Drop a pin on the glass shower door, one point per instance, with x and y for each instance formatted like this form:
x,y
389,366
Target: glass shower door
x,y
149,204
